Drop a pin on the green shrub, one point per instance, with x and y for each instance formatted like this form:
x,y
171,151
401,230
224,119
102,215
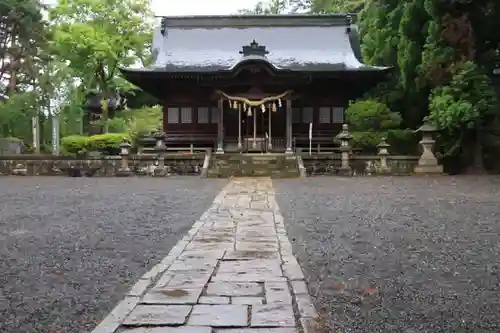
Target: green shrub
x,y
105,143
370,121
71,145
370,115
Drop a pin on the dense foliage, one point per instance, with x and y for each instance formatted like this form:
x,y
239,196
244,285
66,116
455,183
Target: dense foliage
x,y
443,53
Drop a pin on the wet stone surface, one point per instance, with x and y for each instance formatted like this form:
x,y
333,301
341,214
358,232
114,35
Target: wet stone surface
x,y
158,315
72,248
278,315
219,315
401,254
226,287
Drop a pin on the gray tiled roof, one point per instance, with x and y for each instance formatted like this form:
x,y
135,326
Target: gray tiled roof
x,y
296,43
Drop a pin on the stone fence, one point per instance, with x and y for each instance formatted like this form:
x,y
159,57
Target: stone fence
x,y
328,164
38,165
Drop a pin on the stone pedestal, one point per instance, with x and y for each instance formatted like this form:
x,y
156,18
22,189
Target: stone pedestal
x,y
428,169
345,169
345,150
161,149
383,152
124,170
428,163
160,170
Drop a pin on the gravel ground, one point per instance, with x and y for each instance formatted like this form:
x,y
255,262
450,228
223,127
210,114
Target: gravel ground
x,y
71,247
405,255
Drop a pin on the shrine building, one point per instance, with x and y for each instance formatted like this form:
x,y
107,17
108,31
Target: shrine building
x,y
255,83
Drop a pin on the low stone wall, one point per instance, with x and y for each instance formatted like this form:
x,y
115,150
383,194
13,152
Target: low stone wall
x,y
329,164
37,165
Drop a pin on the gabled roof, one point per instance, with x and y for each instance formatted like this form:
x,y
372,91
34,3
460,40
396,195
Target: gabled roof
x,y
293,43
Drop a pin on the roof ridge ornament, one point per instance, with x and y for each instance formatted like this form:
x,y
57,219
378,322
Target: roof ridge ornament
x,y
254,49
163,26
348,21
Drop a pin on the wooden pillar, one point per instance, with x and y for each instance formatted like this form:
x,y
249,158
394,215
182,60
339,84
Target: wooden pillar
x,y
239,128
270,144
220,129
254,144
289,127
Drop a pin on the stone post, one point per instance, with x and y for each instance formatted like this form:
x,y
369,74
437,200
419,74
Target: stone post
x,y
124,170
220,129
160,148
427,164
345,150
383,152
288,121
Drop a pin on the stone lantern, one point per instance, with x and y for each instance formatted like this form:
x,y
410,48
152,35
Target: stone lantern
x,y
428,163
345,150
160,148
124,170
383,152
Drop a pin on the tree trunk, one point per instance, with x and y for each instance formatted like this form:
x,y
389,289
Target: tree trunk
x,y
477,166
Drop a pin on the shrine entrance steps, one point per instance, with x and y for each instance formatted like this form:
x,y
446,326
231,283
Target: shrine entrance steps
x,y
253,165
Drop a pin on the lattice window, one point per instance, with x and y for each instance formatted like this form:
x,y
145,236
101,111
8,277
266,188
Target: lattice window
x,y
214,117
296,116
186,115
324,114
203,115
307,115
173,115
337,115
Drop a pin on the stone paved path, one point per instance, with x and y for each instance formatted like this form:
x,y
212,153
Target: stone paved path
x,y
234,273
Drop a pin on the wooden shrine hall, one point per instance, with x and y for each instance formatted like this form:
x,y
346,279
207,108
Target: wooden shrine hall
x,y
255,83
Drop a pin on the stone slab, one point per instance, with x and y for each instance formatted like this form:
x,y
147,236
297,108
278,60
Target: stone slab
x,y
117,315
214,300
259,330
246,278
181,329
190,254
144,315
247,246
299,287
234,289
219,316
172,296
250,255
193,264
247,300
272,315
186,280
258,266
306,306
277,293
139,288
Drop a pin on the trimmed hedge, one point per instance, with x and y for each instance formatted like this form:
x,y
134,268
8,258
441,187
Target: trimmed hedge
x,y
105,143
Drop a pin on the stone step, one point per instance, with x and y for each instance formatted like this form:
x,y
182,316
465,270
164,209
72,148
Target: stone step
x,y
253,165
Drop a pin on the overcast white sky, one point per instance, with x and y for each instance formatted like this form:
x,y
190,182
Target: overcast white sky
x,y
194,7
200,7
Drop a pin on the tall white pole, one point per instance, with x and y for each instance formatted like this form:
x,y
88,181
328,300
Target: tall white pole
x,y
55,136
36,133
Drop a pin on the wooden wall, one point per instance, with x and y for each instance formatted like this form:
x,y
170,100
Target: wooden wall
x,y
197,111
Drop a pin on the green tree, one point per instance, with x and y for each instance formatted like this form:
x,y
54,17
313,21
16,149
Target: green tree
x,y
460,109
271,7
97,37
